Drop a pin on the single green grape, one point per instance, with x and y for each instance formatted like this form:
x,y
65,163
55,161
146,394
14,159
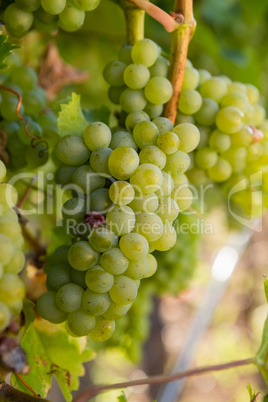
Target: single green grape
x,y
95,303
47,308
114,261
103,330
124,290
81,256
69,297
98,280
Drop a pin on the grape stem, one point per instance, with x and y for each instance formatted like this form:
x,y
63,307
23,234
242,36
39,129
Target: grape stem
x,y
180,40
162,379
134,17
256,397
169,22
10,394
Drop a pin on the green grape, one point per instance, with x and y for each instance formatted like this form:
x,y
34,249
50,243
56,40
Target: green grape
x,y
78,277
145,52
145,133
8,197
204,75
177,163
132,100
69,297
206,115
60,256
58,276
214,88
147,177
168,209
25,77
136,76
221,171
9,109
9,228
5,316
124,290
102,239
34,102
113,73
45,22
167,185
219,141
237,87
28,5
64,174
152,265
71,150
97,135
163,124
81,256
158,90
204,135
98,280
197,176
6,249
236,99
243,137
80,323
134,118
114,94
33,128
103,330
159,68
87,5
167,240
255,151
99,160
95,303
229,119
74,208
168,142
5,94
123,162
183,197
123,139
152,154
236,157
253,94
53,7
125,54
189,136
145,202
121,192
71,18
206,158
190,101
85,180
138,269
37,156
184,118
134,246
149,225
47,308
114,261
116,311
259,115
121,220
3,172
100,200
12,290
190,78
153,110
17,21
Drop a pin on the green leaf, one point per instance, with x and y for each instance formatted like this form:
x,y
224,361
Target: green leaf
x,y
5,49
51,351
71,119
262,354
266,287
122,398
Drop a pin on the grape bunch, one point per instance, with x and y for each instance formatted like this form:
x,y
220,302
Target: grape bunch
x,y
138,80
45,15
32,118
126,190
12,258
234,137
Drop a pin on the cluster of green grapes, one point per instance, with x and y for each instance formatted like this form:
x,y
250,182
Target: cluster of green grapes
x,y
29,119
231,120
138,80
12,258
177,266
45,15
127,190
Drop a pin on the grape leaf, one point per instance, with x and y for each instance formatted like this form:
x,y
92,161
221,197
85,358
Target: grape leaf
x,y
5,49
51,351
71,119
122,398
